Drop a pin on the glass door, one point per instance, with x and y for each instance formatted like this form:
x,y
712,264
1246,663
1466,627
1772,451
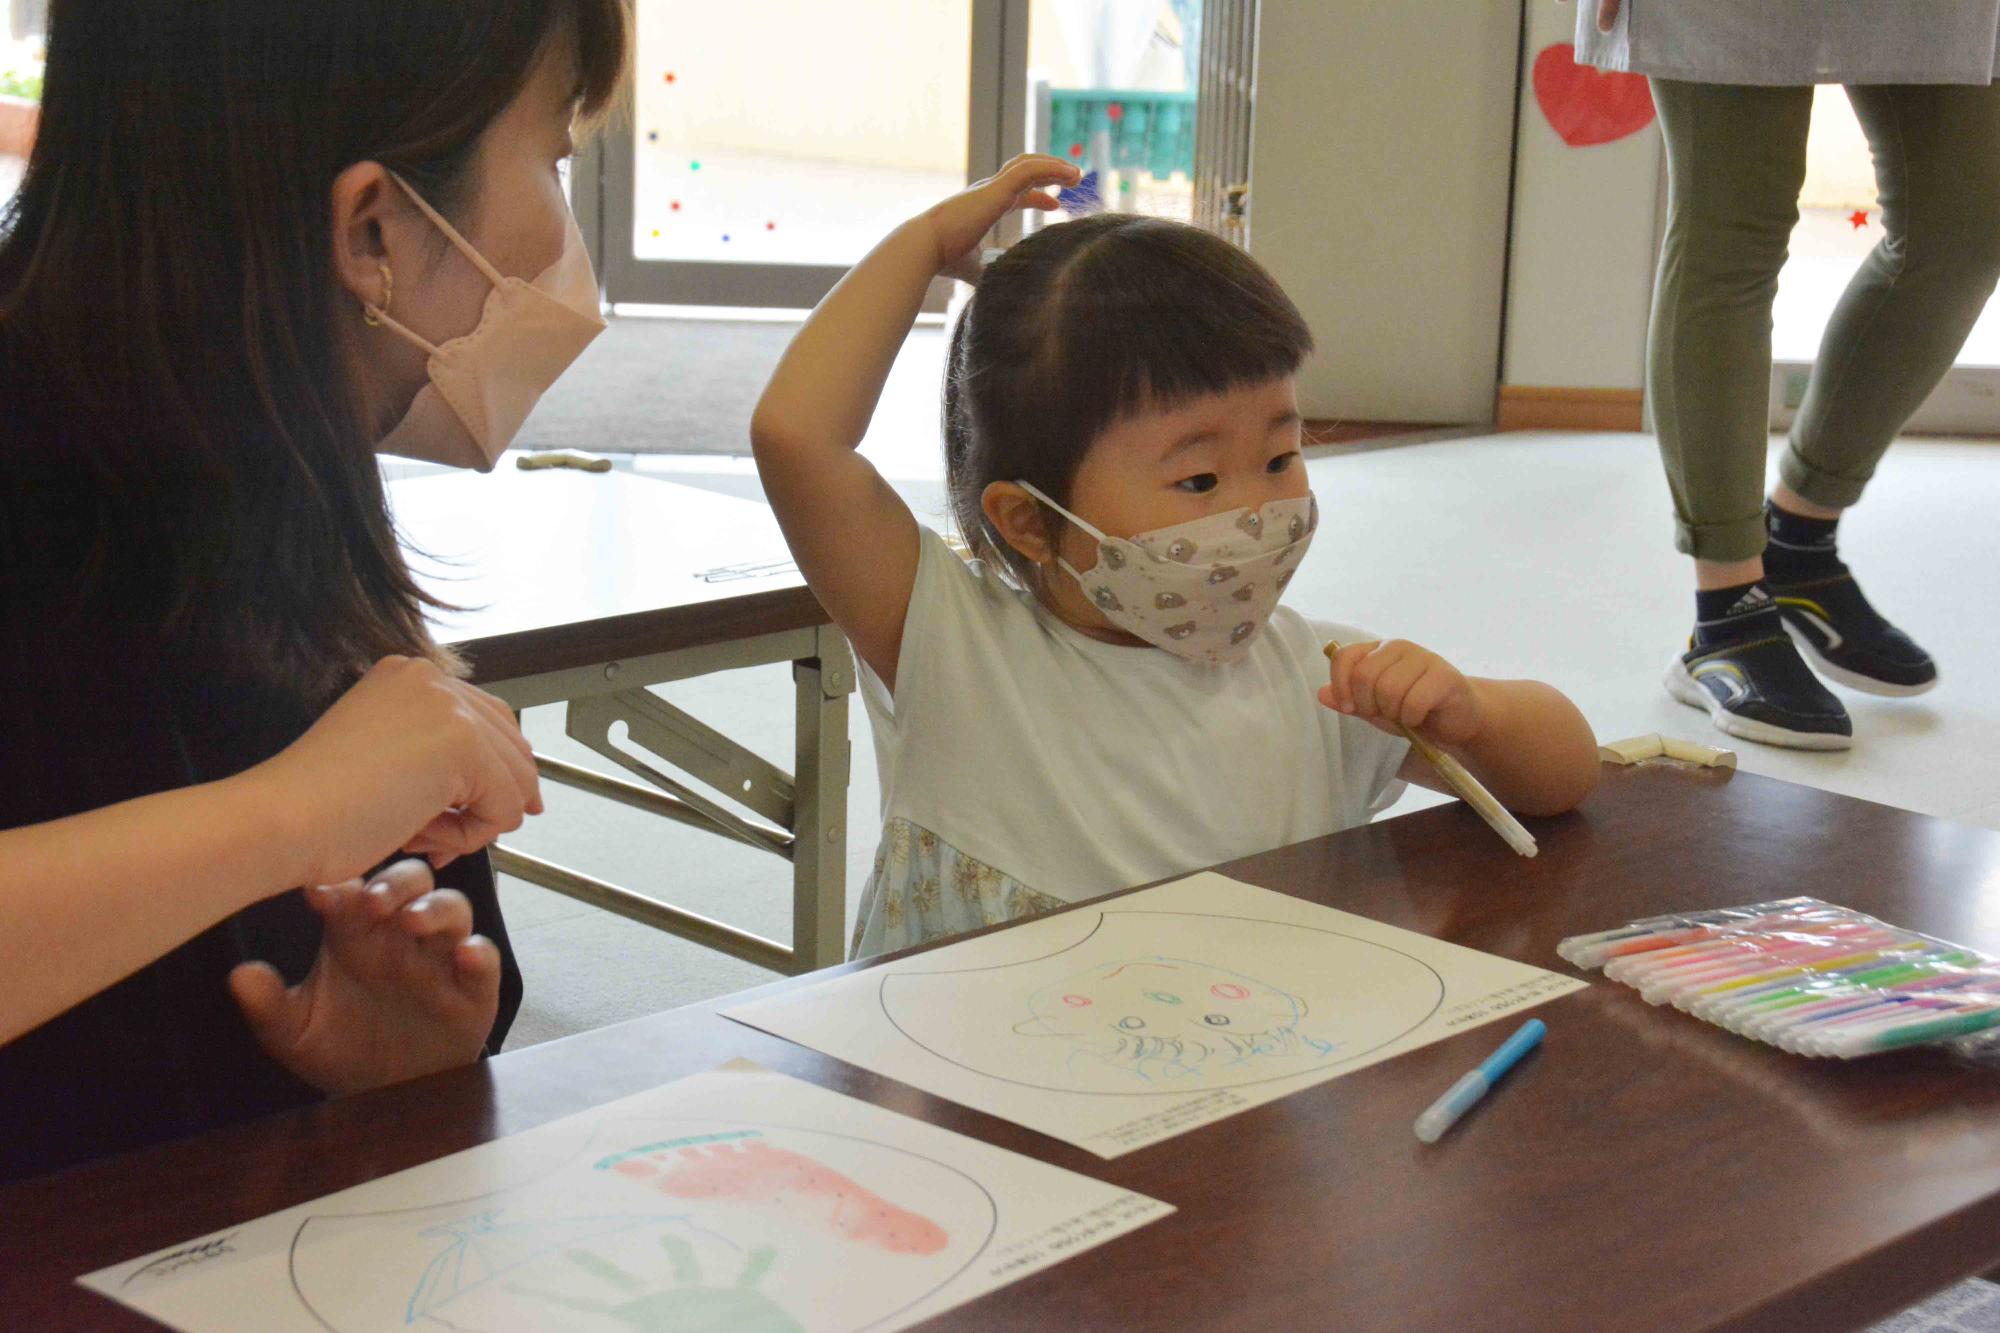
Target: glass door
x,y
770,143
1113,86
1840,220
20,87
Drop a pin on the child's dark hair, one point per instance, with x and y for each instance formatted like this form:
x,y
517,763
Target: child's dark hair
x,y
1083,323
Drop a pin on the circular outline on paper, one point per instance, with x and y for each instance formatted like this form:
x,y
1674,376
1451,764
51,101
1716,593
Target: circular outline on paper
x,y
882,998
992,1208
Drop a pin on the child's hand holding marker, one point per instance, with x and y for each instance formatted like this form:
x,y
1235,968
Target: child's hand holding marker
x,y
1397,684
1525,736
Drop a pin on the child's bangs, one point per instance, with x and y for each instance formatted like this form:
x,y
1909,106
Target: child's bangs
x,y
1154,314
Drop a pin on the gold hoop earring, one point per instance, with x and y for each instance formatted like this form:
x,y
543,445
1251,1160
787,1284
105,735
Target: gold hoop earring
x,y
371,315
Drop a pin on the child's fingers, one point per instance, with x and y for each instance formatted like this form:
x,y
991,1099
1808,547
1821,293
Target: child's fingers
x,y
1343,666
1430,691
1393,686
1031,171
1370,670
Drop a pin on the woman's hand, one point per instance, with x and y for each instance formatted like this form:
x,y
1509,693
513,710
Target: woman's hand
x,y
409,759
1397,684
961,221
401,988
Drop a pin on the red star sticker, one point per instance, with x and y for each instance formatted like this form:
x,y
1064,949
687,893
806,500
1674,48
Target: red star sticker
x,y
1859,217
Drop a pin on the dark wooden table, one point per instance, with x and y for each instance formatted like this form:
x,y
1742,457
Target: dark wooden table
x,y
584,589
1641,1171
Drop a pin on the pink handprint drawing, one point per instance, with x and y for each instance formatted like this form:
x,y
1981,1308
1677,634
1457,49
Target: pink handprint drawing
x,y
757,1172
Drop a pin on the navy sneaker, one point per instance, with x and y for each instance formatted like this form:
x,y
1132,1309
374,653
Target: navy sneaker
x,y
1848,641
1761,690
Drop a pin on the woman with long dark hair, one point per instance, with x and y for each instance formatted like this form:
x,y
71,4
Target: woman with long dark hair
x,y
255,244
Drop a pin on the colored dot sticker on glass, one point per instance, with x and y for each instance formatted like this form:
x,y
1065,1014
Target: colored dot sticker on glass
x,y
694,166
1116,111
652,136
670,76
770,226
1076,150
675,205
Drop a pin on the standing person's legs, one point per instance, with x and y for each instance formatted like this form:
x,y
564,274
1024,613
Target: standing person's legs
x,y
1736,158
1897,330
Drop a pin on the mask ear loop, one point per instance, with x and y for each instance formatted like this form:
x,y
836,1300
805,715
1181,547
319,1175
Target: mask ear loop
x,y
379,315
1031,489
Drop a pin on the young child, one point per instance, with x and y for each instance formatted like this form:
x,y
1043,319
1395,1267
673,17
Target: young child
x,y
1107,694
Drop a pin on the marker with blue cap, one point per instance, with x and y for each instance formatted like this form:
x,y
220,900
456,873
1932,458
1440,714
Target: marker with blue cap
x,y
1465,1093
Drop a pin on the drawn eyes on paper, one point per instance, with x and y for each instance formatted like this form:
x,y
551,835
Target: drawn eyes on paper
x,y
1216,1020
1229,990
1076,1001
1163,997
1132,1023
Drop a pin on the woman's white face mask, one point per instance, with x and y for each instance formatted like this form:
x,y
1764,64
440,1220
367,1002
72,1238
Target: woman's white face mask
x,y
483,385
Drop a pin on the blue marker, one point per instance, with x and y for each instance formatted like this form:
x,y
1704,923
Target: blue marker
x,y
1465,1093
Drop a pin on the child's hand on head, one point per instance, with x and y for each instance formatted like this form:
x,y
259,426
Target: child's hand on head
x,y
960,222
1386,684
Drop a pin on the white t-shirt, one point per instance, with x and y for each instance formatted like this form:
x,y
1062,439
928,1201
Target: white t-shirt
x,y
1076,767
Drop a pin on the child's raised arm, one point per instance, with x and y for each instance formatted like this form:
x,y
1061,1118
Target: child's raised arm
x,y
853,537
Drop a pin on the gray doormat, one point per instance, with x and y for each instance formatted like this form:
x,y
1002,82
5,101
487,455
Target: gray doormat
x,y
661,386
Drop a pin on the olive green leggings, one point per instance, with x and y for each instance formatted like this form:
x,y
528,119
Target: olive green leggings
x,y
1736,158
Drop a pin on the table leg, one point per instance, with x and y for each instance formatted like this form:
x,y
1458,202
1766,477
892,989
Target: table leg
x,y
819,854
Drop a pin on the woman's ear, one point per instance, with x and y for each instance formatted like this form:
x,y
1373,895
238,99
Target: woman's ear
x,y
362,203
1019,519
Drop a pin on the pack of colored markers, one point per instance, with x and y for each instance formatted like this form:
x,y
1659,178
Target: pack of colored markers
x,y
1806,976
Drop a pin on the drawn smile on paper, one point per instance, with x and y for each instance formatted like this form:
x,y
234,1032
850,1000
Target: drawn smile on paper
x,y
1165,1019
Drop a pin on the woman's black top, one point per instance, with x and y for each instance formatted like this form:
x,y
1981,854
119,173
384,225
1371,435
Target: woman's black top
x,y
89,717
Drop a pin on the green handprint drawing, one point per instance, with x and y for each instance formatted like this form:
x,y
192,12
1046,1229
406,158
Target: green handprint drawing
x,y
688,1306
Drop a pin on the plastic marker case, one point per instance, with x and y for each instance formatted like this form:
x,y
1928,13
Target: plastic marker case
x,y
1806,976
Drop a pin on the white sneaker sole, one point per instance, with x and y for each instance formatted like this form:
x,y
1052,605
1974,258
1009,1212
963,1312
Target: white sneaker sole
x,y
1688,690
1853,680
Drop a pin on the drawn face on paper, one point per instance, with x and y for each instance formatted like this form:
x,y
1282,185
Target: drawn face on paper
x,y
1165,998
1143,1002
1169,1017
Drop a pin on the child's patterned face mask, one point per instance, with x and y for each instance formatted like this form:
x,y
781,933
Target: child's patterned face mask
x,y
1202,589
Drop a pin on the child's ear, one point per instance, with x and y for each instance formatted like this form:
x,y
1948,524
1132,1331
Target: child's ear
x,y
1019,518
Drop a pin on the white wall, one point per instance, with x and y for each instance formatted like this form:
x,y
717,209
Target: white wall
x,y
1580,276
1379,159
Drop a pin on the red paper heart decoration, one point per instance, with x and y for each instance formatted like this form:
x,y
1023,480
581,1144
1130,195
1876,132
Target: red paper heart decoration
x,y
1586,105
